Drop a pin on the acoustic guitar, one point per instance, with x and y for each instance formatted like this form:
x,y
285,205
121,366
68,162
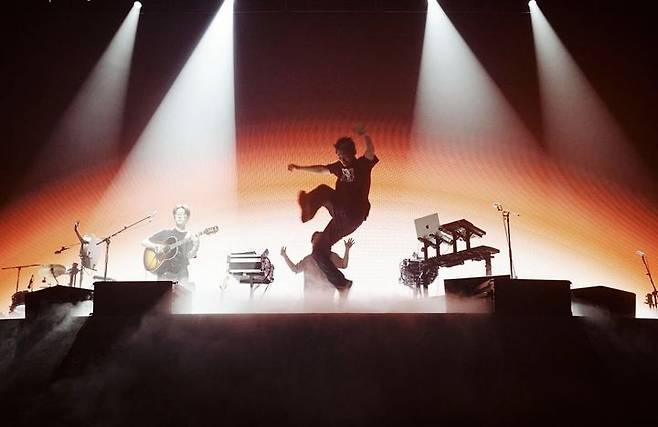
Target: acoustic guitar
x,y
157,261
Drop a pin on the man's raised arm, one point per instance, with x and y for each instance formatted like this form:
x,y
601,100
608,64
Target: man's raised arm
x,y
294,267
370,147
312,168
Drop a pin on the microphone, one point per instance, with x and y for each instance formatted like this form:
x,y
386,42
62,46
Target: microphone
x,y
60,250
640,253
499,208
150,217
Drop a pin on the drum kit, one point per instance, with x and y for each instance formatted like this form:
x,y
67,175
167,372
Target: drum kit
x,y
48,275
417,273
45,276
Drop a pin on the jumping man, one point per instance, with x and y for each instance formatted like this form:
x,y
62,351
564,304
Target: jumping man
x,y
348,204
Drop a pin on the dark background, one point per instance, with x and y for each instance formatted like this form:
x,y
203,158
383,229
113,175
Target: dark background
x,y
312,59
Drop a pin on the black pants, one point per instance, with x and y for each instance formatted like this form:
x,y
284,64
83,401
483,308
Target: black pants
x,y
342,224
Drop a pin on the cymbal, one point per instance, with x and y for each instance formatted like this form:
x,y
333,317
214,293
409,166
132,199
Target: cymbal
x,y
52,269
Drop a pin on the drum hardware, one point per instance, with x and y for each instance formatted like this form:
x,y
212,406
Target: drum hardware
x,y
18,298
73,272
417,273
18,269
54,270
50,272
45,271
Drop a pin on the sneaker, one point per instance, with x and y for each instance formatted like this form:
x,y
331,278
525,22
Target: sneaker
x,y
302,199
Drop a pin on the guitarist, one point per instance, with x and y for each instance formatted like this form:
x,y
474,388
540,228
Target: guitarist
x,y
176,268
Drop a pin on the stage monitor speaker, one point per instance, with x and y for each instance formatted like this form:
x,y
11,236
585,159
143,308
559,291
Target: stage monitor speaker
x,y
503,295
528,297
132,298
470,294
43,301
597,300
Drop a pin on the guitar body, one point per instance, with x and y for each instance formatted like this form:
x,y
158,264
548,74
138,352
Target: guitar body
x,y
158,263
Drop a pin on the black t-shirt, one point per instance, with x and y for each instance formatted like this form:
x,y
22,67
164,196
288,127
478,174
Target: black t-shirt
x,y
180,260
353,186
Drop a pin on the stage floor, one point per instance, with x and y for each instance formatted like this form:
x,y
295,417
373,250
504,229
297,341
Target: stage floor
x,y
328,369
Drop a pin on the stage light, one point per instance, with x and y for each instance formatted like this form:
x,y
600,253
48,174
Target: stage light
x,y
186,153
89,130
137,4
579,130
457,103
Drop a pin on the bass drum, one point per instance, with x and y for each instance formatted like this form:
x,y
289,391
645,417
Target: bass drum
x,y
18,299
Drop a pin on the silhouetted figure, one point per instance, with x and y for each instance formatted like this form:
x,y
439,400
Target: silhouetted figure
x,y
316,286
348,204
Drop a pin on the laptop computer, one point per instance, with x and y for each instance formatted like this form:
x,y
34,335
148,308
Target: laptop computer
x,y
427,225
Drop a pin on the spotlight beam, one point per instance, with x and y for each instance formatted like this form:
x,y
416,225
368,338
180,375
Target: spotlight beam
x,y
187,150
578,127
90,128
457,103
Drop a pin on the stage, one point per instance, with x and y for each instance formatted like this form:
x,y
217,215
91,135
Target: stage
x,y
328,369
432,144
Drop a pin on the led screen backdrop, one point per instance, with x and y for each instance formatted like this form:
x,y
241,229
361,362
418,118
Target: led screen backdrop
x,y
215,108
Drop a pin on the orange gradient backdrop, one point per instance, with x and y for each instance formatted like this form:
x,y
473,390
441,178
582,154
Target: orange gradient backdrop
x,y
571,224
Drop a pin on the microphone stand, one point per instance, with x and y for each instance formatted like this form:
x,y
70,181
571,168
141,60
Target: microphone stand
x,y
107,240
52,271
19,268
648,273
508,234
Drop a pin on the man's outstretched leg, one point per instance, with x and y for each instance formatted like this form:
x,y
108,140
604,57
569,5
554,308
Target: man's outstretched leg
x,y
339,227
312,201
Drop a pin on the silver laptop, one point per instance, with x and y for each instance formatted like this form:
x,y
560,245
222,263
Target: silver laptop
x,y
427,225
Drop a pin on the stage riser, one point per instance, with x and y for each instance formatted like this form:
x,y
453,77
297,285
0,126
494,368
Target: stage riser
x,y
327,369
